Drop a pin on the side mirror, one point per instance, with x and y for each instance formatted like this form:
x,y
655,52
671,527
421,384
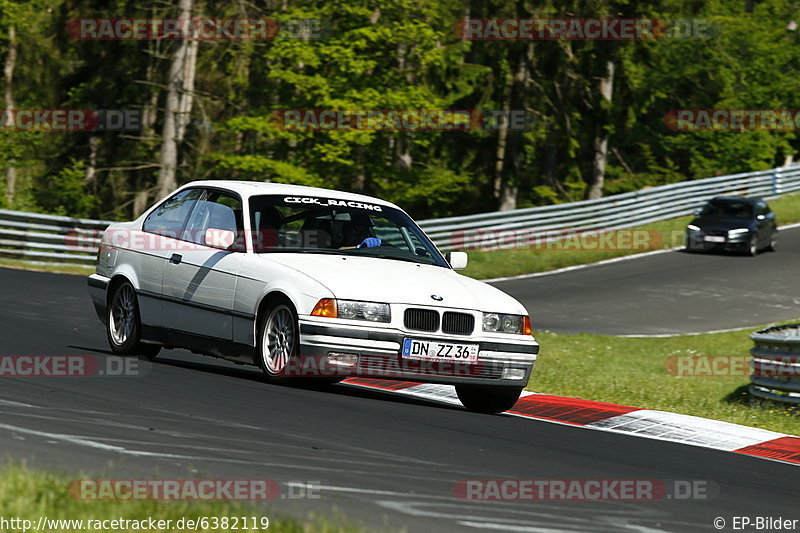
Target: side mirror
x,y
219,238
457,260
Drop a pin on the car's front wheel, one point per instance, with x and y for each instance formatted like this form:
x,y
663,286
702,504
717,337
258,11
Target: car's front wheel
x,y
278,339
124,326
488,399
752,246
773,242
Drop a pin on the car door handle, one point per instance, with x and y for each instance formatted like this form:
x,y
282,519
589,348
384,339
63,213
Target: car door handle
x,y
176,259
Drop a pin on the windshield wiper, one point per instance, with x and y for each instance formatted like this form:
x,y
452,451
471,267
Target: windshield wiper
x,y
396,258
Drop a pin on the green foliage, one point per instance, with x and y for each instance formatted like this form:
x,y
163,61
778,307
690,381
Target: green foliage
x,y
437,192
257,168
65,193
403,54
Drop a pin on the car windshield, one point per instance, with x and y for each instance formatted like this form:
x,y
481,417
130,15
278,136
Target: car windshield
x,y
306,224
728,209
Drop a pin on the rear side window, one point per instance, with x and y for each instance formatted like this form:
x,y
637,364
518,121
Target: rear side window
x,y
170,217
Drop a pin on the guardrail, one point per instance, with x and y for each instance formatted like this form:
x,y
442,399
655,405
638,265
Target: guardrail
x,y
38,237
506,229
776,363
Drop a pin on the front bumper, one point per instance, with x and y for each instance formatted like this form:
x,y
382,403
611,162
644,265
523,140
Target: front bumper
x,y
736,243
377,352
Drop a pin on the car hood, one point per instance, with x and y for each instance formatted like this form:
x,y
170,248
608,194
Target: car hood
x,y
386,280
721,223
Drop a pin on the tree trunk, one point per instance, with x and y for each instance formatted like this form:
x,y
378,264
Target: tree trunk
x,y
402,153
8,72
91,165
178,106
150,104
507,154
140,202
600,144
505,201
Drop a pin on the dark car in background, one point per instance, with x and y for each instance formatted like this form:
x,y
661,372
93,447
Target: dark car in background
x,y
733,224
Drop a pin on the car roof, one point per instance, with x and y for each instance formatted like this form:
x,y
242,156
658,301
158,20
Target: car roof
x,y
737,199
246,189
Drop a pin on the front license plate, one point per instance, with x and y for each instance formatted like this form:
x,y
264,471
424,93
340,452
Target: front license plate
x,y
440,351
712,238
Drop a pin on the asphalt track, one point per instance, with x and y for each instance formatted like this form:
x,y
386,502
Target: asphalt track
x,y
667,293
387,463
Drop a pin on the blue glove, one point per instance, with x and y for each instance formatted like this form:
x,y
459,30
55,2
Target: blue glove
x,y
370,242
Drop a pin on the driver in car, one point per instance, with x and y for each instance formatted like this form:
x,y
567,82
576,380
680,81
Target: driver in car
x,y
356,233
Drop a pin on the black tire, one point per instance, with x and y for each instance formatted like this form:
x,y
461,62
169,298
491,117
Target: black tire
x,y
277,350
752,246
124,325
488,399
690,245
288,366
773,242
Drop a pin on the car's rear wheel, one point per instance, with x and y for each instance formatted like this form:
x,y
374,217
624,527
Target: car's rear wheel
x,y
278,339
124,326
488,399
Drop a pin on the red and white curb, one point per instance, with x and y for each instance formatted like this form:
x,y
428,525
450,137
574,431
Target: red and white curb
x,y
647,423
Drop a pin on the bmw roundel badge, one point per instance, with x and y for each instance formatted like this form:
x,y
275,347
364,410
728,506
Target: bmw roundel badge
x,y
437,297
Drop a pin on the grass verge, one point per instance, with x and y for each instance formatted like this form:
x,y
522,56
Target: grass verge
x,y
633,371
45,267
667,234
28,494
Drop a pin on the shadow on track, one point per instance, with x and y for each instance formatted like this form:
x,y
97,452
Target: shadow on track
x,y
253,374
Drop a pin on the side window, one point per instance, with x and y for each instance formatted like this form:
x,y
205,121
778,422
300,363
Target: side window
x,y
218,211
168,220
389,232
419,247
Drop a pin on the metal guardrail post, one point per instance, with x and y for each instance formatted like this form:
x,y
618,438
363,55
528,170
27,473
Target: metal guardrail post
x,y
776,363
776,181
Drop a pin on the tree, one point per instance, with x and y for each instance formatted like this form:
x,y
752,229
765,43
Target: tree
x,y
178,108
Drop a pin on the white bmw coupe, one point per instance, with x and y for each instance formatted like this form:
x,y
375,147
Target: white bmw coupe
x,y
308,283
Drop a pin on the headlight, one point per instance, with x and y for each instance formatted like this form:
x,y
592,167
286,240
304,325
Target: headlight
x,y
498,322
737,231
692,227
372,311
